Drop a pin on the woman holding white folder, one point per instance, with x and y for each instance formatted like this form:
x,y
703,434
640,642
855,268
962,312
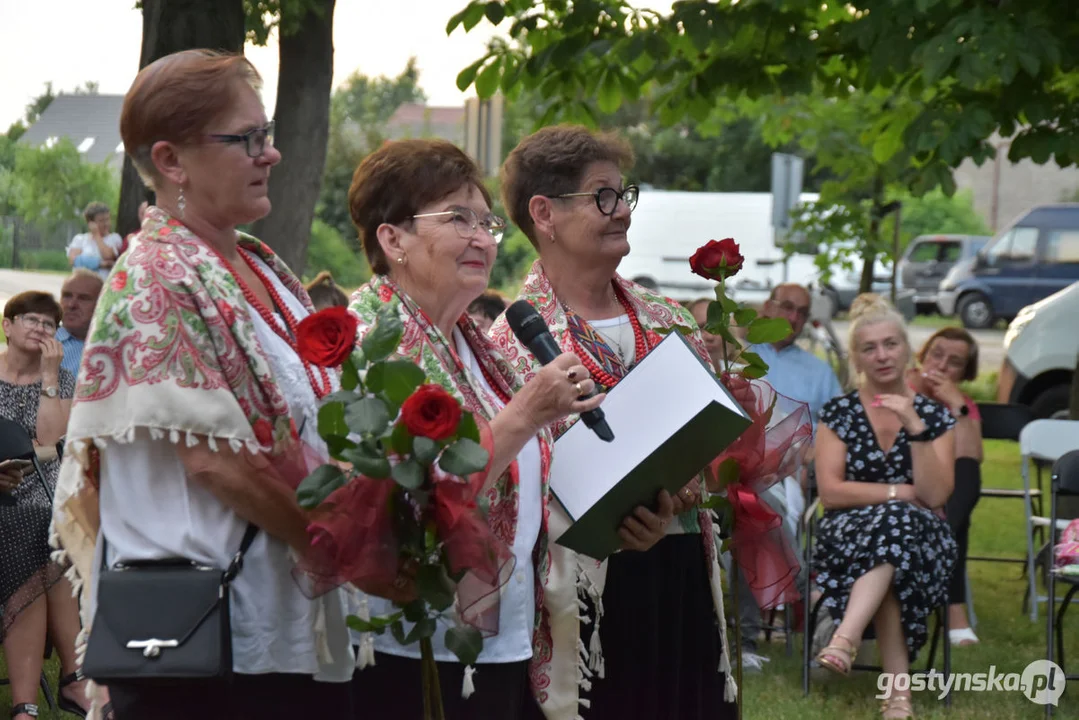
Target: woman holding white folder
x,y
642,633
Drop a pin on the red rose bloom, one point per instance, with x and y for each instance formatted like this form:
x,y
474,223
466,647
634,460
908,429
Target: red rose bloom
x,y
326,338
717,259
431,412
119,281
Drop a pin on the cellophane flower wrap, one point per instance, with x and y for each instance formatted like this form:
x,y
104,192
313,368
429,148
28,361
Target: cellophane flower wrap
x,y
396,514
774,447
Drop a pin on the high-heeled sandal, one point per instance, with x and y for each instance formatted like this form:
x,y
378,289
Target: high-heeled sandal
x,y
24,709
897,707
830,658
65,703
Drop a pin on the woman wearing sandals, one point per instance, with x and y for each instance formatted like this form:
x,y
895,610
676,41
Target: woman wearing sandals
x,y
885,462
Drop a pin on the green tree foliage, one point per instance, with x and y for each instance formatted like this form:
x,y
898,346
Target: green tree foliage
x,y
329,251
359,111
51,185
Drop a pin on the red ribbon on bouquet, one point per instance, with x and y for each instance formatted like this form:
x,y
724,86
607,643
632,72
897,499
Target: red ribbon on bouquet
x,y
772,448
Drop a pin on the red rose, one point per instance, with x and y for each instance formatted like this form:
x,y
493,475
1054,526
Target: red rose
x,y
431,412
264,432
326,338
119,281
717,259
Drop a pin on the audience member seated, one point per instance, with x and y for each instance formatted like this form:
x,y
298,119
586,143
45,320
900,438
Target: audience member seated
x,y
885,460
35,598
325,293
950,357
485,309
98,248
78,298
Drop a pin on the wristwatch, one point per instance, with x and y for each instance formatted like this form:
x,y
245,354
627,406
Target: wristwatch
x,y
923,436
50,391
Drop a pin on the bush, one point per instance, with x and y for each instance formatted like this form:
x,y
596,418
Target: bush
x,y
329,251
42,260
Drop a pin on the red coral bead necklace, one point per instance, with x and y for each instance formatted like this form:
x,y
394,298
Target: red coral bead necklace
x,y
640,347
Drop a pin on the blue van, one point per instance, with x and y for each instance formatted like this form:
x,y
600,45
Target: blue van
x,y
1036,256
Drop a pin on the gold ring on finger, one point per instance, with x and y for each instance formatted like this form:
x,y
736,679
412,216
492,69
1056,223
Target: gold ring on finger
x,y
577,387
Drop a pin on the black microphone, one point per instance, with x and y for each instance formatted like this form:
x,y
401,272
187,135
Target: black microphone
x,y
532,331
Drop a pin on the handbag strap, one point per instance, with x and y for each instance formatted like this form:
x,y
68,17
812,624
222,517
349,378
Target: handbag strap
x,y
235,565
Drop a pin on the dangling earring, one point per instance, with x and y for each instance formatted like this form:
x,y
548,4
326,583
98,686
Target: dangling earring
x,y
552,235
181,203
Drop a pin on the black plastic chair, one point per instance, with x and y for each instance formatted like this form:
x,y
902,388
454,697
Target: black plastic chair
x,y
15,444
812,611
1065,483
1003,421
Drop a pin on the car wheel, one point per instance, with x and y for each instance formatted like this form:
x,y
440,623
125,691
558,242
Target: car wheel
x,y
975,311
1052,403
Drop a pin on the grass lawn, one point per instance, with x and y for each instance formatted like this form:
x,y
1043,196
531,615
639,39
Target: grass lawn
x,y
1009,640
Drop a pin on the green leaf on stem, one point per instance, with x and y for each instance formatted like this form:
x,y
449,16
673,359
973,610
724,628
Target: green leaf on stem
x,y
768,330
467,427
376,625
331,420
400,379
744,316
435,586
400,439
318,485
717,315
338,446
384,337
415,611
397,629
425,450
463,457
367,462
724,332
753,360
465,642
425,628
409,474
350,376
367,416
754,373
729,472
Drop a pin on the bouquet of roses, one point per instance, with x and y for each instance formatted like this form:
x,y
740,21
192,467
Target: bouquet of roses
x,y
395,514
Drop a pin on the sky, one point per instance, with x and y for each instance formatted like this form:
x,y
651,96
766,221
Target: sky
x,y
70,42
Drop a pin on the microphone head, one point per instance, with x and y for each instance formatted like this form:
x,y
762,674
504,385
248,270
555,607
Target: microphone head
x,y
525,322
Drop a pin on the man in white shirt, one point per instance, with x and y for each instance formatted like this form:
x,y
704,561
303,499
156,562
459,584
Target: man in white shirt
x,y
78,298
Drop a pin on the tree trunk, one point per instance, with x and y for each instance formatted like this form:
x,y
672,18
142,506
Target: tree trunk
x,y
169,26
1073,405
872,245
302,127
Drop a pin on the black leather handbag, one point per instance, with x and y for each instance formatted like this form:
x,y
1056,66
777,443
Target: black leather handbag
x,y
162,621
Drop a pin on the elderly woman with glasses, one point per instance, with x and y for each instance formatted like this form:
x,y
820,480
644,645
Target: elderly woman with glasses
x,y
641,634
35,392
194,402
425,219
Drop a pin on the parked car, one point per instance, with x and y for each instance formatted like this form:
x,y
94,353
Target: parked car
x,y
927,261
1041,347
1034,257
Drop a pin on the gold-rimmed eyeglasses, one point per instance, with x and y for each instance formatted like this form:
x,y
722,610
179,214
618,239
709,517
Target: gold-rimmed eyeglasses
x,y
607,198
465,221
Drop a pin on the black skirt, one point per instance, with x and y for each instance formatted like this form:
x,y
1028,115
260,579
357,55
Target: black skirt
x,y
661,638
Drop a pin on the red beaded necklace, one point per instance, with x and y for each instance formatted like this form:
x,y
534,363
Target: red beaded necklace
x,y
323,388
640,348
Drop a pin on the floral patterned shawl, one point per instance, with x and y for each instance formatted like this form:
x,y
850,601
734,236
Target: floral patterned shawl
x,y
172,350
428,347
568,667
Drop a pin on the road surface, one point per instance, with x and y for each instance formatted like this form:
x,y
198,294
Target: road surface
x,y
13,282
990,343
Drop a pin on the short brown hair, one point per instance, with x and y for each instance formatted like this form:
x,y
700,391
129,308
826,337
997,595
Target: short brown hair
x,y
491,304
395,181
93,210
176,97
550,162
970,372
324,292
33,301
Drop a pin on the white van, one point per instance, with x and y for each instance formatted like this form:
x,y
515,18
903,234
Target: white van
x,y
1041,349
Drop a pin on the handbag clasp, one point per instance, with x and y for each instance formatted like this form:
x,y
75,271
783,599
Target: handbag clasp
x,y
152,648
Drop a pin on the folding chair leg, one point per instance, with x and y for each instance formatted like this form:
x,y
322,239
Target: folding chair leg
x,y
1060,624
1031,575
48,691
972,619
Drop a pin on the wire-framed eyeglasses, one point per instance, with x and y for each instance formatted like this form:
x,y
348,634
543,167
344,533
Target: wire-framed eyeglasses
x,y
255,140
607,198
35,322
465,221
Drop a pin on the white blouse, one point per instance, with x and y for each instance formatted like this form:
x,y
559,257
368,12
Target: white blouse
x,y
150,509
517,607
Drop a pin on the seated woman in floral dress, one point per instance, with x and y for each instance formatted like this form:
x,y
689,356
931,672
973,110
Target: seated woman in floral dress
x,y
885,463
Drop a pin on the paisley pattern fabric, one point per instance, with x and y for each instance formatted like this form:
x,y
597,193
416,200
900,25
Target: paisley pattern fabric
x,y
172,350
424,344
562,666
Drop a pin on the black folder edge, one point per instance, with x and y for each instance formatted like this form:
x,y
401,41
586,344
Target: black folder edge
x,y
692,447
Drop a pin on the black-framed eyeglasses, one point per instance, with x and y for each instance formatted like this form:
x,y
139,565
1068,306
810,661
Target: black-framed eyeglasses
x,y
607,198
255,140
465,221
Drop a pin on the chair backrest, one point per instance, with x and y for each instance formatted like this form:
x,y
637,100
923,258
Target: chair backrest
x,y
14,441
1049,439
1003,421
1066,473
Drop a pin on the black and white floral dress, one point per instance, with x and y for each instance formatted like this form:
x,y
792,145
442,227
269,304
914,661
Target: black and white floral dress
x,y
914,540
